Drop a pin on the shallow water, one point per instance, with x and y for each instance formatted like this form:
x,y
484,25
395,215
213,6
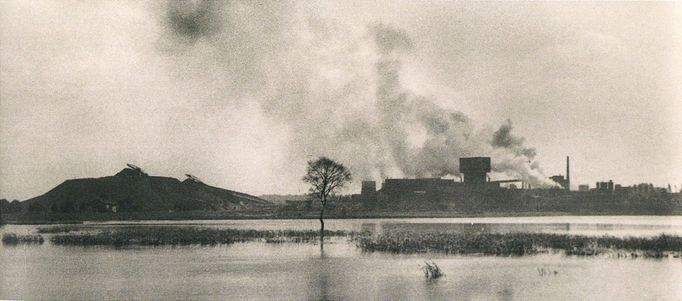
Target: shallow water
x,y
292,271
582,225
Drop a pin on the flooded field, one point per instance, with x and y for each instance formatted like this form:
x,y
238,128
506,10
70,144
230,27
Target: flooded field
x,y
300,271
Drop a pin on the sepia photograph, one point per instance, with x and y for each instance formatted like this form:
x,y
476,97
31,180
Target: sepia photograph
x,y
340,150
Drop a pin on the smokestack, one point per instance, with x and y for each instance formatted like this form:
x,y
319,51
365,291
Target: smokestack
x,y
568,173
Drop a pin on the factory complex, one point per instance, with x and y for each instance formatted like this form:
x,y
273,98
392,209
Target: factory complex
x,y
475,182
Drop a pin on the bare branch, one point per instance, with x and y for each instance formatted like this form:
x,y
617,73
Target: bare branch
x,y
325,176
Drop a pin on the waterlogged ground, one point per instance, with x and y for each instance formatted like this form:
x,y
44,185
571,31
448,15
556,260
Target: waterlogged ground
x,y
299,271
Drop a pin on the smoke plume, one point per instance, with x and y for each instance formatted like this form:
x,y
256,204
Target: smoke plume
x,y
337,90
191,21
504,139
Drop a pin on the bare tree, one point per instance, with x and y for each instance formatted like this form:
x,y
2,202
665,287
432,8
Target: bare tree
x,y
325,176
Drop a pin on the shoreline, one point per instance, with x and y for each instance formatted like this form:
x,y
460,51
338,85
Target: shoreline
x,y
41,219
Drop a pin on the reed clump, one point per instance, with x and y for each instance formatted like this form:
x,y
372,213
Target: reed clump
x,y
518,244
432,270
14,239
159,236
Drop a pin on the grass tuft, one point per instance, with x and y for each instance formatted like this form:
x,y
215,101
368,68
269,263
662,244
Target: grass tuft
x,y
14,239
432,270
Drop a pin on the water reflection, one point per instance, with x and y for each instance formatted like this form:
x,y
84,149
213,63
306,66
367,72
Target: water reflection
x,y
319,280
584,225
507,294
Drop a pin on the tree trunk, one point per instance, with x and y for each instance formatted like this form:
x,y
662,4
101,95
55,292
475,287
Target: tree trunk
x,y
322,226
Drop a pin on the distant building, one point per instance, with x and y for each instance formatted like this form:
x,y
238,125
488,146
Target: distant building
x,y
368,191
648,188
643,188
564,182
415,186
623,189
604,186
475,179
475,169
584,187
559,179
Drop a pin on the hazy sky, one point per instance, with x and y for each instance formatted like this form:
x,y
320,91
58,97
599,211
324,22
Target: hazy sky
x,y
241,94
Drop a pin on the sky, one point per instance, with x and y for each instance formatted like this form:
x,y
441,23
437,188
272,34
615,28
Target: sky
x,y
242,93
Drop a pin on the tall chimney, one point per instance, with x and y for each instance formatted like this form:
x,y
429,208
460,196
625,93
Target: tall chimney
x,y
568,174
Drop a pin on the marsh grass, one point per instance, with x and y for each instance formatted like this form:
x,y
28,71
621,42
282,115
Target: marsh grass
x,y
517,244
432,270
401,242
14,239
159,236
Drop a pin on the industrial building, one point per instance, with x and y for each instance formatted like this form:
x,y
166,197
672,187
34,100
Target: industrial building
x,y
474,191
474,177
564,182
475,169
604,186
368,191
610,187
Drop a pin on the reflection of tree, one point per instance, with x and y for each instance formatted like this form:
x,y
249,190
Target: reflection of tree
x,y
322,254
319,282
432,289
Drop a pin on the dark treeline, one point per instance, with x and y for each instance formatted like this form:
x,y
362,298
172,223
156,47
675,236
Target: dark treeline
x,y
503,202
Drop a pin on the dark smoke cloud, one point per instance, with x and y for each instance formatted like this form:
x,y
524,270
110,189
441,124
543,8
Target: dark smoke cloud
x,y
192,20
389,39
229,45
504,139
341,95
